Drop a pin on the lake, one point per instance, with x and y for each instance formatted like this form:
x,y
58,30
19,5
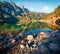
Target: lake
x,y
30,28
37,31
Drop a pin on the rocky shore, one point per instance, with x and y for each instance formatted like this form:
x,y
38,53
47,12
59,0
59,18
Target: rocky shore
x,y
42,43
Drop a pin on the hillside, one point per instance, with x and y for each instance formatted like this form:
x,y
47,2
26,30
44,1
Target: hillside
x,y
37,15
53,19
9,11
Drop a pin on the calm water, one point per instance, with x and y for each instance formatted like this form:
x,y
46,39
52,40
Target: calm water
x,y
37,31
31,28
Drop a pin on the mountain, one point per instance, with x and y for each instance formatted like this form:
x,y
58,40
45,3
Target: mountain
x,y
57,10
9,11
55,13
7,18
53,18
12,8
37,15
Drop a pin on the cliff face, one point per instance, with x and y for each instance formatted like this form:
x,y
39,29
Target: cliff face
x,y
9,11
11,8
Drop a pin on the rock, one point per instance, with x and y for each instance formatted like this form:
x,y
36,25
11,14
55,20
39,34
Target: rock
x,y
13,40
34,35
43,35
22,46
30,43
55,33
53,47
34,45
43,50
30,37
22,41
9,34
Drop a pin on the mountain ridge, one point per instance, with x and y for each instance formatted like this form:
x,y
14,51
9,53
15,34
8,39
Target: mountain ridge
x,y
9,10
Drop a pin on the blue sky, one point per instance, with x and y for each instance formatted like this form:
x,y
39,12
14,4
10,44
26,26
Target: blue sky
x,y
39,5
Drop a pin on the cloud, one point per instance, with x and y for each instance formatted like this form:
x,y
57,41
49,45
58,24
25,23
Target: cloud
x,y
32,9
46,8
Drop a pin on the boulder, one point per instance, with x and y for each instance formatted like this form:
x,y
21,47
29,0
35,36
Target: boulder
x,y
29,37
13,40
43,35
22,46
9,34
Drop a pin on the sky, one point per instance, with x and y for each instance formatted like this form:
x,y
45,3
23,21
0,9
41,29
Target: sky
x,y
39,5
